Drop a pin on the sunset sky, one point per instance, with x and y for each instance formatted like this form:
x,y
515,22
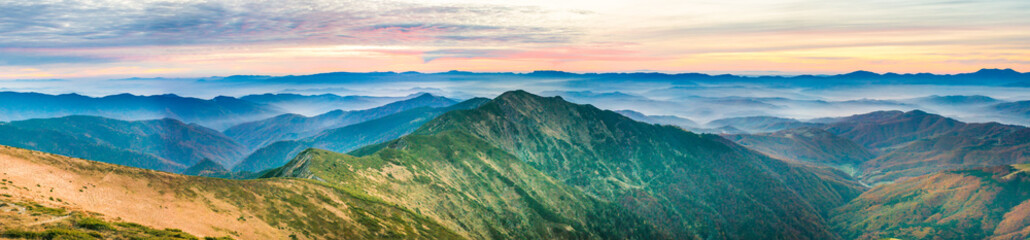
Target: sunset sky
x,y
49,39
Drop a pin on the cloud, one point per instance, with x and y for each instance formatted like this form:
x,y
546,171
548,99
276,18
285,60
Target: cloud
x,y
465,53
22,58
54,23
565,54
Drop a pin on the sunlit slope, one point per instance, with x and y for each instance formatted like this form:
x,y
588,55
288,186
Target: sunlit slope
x,y
473,188
985,203
687,185
251,209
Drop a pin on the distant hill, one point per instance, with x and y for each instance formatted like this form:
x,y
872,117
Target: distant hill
x,y
204,167
905,144
64,191
1018,109
659,119
984,203
217,113
955,100
166,144
318,104
885,130
758,124
968,146
292,126
806,144
351,137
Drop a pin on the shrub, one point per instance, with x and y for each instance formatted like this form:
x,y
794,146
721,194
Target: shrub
x,y
93,223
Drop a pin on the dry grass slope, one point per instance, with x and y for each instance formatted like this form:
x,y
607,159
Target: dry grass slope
x,y
242,209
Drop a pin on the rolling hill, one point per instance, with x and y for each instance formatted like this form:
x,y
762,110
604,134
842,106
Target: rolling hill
x,y
351,137
318,104
217,113
659,119
806,144
970,145
984,203
258,134
759,124
165,144
885,130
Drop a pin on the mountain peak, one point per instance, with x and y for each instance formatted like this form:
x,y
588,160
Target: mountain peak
x,y
996,71
206,165
424,95
861,74
516,94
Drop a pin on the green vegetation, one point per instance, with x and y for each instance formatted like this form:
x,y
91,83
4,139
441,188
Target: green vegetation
x,y
271,207
350,137
165,145
963,204
78,226
523,166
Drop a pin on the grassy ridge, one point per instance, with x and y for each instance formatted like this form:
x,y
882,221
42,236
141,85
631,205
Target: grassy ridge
x,y
246,209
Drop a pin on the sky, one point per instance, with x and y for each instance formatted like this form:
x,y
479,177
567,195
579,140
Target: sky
x,y
103,39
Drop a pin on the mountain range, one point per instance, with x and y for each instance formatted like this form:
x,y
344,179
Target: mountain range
x,y
518,166
350,137
260,133
165,144
217,113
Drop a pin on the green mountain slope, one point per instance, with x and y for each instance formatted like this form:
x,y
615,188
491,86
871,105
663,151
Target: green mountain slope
x,y
166,144
199,206
985,203
258,134
350,137
686,185
473,188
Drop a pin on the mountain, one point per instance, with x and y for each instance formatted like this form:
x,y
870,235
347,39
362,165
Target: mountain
x,y
204,167
759,123
681,184
1020,108
984,203
968,146
806,144
659,119
317,104
165,144
477,190
955,100
351,137
217,113
68,196
257,134
884,130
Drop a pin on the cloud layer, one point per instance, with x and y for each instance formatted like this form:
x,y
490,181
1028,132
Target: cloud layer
x,y
74,38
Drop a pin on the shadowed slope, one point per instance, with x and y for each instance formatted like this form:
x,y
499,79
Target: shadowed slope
x,y
348,138
258,134
165,144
